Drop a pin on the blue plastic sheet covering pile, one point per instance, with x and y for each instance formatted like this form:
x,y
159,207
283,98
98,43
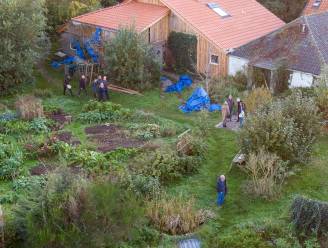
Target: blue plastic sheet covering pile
x,y
95,39
199,100
184,82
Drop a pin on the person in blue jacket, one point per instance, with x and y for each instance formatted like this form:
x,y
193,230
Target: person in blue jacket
x,y
222,189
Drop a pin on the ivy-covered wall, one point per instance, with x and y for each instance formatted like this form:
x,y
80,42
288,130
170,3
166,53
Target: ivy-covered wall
x,y
184,51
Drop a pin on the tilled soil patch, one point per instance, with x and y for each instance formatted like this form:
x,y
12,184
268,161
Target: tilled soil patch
x,y
111,137
41,169
67,137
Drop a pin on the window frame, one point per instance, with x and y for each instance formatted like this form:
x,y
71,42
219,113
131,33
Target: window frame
x,y
214,63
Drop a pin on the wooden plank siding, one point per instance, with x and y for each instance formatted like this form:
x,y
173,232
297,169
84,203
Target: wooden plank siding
x,y
159,31
204,48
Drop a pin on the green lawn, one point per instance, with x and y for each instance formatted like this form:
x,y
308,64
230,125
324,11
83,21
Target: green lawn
x,y
239,208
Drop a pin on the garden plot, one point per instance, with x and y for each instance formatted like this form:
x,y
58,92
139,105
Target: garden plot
x,y
67,137
111,137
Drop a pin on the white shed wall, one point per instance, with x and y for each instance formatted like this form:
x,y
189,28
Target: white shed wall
x,y
301,79
236,64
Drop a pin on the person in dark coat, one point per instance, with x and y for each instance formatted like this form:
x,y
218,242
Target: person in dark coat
x,y
101,92
231,103
222,189
83,85
106,87
238,108
67,85
94,87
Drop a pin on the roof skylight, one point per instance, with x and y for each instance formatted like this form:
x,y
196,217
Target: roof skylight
x,y
316,3
216,8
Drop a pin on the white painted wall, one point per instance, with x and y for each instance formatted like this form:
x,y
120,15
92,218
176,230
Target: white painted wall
x,y
301,79
236,64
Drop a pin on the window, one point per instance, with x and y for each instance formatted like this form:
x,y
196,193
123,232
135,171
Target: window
x,y
214,59
217,9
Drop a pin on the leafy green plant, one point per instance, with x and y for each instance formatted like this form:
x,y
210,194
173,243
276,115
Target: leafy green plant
x,y
39,125
97,112
11,160
28,183
14,128
145,131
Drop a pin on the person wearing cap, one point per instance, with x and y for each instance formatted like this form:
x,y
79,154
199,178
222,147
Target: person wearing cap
x,y
222,189
67,85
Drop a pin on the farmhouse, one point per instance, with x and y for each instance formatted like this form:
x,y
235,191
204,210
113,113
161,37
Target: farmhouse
x,y
219,25
315,7
301,44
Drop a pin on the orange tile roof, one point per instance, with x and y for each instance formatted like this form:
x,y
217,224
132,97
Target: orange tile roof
x,y
140,15
310,9
248,20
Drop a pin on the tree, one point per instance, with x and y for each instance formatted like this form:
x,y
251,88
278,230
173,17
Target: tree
x,y
22,39
60,11
131,61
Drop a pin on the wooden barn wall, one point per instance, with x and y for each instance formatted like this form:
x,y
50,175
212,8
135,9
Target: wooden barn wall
x,y
204,48
156,2
158,32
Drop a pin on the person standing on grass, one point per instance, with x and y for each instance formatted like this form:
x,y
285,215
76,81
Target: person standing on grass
x,y
222,189
238,108
231,103
83,85
94,87
225,113
67,85
106,87
241,115
101,92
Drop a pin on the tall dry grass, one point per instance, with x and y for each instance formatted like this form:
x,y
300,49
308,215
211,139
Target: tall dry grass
x,y
29,107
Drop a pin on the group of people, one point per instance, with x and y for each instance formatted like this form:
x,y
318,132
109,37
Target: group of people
x,y
99,87
228,111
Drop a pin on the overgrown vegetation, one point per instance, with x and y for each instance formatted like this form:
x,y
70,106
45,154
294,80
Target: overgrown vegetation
x,y
183,49
130,60
258,98
22,41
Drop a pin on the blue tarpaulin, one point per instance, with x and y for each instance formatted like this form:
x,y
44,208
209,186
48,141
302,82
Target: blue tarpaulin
x,y
184,82
67,61
199,100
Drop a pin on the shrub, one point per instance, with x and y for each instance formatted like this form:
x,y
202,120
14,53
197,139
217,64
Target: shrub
x,y
191,145
163,164
28,183
14,128
146,186
309,217
176,216
184,49
28,107
145,131
40,125
167,127
257,98
131,61
267,173
96,112
220,88
321,93
8,116
69,212
287,127
11,160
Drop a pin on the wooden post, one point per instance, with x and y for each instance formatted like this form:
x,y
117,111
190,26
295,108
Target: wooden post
x,y
2,225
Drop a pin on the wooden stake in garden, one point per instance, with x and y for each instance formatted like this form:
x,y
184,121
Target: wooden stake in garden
x,y
2,225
